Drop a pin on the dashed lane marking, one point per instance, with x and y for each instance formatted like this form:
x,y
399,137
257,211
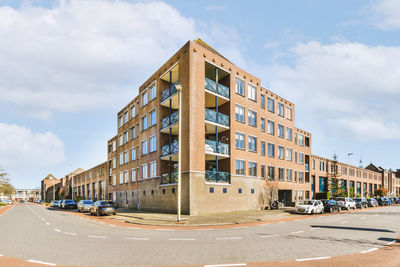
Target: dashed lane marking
x,y
363,218
226,265
312,259
57,230
47,223
43,219
315,228
344,222
137,238
97,236
297,232
229,238
268,236
42,262
369,250
67,233
391,242
165,229
182,239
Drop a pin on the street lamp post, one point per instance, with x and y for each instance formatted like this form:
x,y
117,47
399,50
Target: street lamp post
x,y
179,89
348,174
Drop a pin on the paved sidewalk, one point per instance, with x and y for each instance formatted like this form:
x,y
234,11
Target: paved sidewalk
x,y
225,218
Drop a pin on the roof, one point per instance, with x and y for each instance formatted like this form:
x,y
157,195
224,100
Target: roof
x,y
206,46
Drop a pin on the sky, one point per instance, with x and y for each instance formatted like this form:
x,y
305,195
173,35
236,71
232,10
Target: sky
x,y
68,67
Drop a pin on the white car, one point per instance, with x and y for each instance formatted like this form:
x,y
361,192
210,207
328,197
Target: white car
x,y
346,203
310,207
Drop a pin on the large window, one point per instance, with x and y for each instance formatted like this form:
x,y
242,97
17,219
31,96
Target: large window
x,y
271,127
126,137
263,124
252,92
121,159
239,113
252,118
144,122
121,178
121,140
252,143
153,117
288,154
126,117
153,144
144,99
262,101
301,177
289,133
126,176
239,167
239,140
153,91
288,113
281,131
133,175
281,152
144,147
126,156
281,109
281,173
288,175
262,148
271,173
144,171
153,169
132,132
301,158
271,104
252,168
271,150
133,111
114,163
239,86
133,154
263,171
301,140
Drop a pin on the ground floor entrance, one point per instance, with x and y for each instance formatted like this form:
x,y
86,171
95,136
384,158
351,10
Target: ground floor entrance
x,y
285,197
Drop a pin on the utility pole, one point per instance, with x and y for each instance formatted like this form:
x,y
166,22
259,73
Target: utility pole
x,y
179,89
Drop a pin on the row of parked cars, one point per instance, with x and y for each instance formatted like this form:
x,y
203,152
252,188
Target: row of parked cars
x,y
101,207
343,203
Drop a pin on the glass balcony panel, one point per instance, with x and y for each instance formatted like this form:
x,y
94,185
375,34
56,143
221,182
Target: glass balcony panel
x,y
169,149
217,117
218,89
216,147
169,120
218,177
171,90
169,179
307,167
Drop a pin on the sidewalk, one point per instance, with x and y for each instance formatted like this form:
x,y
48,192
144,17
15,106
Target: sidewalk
x,y
225,218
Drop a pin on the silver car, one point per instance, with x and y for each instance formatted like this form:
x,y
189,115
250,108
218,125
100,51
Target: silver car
x,y
85,205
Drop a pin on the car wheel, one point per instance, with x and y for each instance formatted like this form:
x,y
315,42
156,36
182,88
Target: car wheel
x,y
312,212
330,210
114,213
97,213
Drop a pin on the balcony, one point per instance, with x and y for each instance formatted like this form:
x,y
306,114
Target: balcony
x,y
213,148
170,151
218,177
170,93
166,178
214,119
218,89
170,121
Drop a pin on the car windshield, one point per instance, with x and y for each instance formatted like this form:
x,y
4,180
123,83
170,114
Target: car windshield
x,y
104,203
88,202
307,202
69,201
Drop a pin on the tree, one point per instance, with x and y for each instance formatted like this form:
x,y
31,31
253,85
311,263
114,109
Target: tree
x,y
5,186
270,191
381,192
334,178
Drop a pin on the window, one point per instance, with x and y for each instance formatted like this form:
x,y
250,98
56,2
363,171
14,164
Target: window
x,y
281,152
121,159
263,124
114,180
252,92
133,111
288,113
252,191
262,148
126,117
271,150
239,140
121,178
301,140
239,86
144,99
280,109
289,175
289,133
224,190
114,163
133,154
288,154
153,117
239,167
239,113
153,144
144,171
252,143
301,177
239,190
133,175
132,132
211,190
121,140
144,122
153,169
114,146
252,118
271,127
252,168
271,173
271,104
153,91
281,172
262,101
126,137
295,157
120,121
263,171
144,147
301,158
295,138
126,176
281,131
126,156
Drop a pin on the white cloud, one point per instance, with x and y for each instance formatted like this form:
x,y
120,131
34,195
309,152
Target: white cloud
x,y
385,13
348,86
20,148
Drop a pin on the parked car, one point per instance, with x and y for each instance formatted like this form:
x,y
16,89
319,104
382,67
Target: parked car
x,y
102,207
54,203
388,200
396,200
372,202
382,201
85,205
346,203
68,204
310,207
9,202
115,204
361,202
21,201
331,205
60,202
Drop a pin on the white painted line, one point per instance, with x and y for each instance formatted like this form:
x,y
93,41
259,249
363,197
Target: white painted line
x,y
363,218
315,228
165,229
182,239
297,232
207,229
369,250
47,223
42,262
376,215
97,236
312,259
67,233
229,238
1,255
57,230
137,238
344,222
269,235
226,265
391,242
43,219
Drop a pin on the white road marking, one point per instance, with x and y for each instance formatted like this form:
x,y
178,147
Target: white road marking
x,y
229,238
137,238
67,233
376,215
47,223
315,228
1,255
57,230
42,262
182,239
226,265
97,236
311,259
363,218
297,232
391,242
43,219
269,235
344,222
207,229
369,250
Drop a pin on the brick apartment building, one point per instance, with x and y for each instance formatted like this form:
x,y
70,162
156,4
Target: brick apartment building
x,y
92,183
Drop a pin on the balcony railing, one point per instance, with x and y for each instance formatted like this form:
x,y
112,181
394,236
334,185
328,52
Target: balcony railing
x,y
171,90
169,149
217,147
166,178
220,89
169,120
218,177
217,117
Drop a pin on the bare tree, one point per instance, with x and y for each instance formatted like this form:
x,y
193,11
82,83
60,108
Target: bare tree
x,y
5,186
270,187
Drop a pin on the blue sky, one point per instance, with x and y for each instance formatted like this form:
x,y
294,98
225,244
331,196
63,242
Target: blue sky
x,y
68,67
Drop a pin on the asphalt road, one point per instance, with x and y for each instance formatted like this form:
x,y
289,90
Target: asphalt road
x,y
34,233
